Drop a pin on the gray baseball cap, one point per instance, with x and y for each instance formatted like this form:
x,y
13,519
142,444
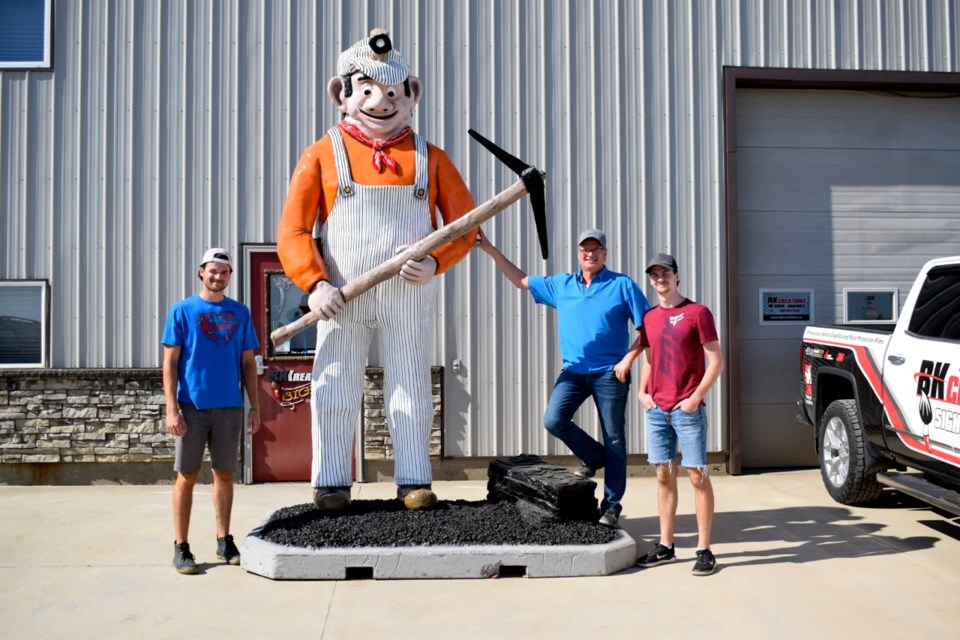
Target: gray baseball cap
x,y
596,234
664,260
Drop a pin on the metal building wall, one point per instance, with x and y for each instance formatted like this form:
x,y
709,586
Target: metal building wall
x,y
167,127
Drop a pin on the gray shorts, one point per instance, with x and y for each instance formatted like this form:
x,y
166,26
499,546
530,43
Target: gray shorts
x,y
220,429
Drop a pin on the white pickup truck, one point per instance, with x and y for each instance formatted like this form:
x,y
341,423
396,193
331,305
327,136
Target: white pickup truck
x,y
885,400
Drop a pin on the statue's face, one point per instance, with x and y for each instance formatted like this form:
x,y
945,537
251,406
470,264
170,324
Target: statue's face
x,y
379,110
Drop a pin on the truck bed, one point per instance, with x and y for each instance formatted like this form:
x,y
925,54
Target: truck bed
x,y
884,329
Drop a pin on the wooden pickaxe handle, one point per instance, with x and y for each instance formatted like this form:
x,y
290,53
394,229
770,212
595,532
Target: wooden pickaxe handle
x,y
416,251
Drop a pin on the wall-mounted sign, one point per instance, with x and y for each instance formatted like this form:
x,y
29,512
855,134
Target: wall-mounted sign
x,y
786,306
866,306
290,388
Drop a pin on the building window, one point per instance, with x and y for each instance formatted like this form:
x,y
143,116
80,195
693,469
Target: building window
x,y
26,34
23,323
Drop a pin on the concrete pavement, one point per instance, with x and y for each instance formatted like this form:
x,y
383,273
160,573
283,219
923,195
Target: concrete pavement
x,y
95,562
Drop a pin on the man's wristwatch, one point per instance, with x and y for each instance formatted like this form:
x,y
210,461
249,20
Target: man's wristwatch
x,y
257,409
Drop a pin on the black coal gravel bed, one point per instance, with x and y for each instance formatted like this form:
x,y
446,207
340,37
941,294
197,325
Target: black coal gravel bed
x,y
387,523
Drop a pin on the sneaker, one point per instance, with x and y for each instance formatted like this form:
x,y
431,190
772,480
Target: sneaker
x,y
227,550
609,519
706,563
183,560
658,555
586,471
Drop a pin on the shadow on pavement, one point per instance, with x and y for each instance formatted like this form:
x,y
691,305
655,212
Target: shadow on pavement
x,y
787,535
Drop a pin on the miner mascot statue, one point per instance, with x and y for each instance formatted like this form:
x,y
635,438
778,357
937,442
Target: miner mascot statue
x,y
368,188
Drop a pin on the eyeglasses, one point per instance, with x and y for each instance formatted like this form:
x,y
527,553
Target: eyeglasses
x,y
593,251
660,275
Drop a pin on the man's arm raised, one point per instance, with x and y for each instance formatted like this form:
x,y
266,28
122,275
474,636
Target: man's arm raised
x,y
515,274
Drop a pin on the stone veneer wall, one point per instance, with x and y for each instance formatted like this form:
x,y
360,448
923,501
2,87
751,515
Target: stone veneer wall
x,y
377,443
83,415
52,417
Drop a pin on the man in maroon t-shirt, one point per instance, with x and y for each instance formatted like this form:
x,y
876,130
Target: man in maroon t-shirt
x,y
675,336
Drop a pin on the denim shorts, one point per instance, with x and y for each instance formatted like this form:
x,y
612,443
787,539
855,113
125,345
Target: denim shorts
x,y
665,429
217,429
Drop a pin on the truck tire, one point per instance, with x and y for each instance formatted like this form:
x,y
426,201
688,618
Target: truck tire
x,y
848,470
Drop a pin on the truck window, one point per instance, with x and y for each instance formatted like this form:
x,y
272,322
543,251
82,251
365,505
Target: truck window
x,y
937,312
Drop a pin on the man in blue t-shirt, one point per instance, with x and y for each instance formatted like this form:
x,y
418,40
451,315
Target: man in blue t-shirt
x,y
208,350
595,308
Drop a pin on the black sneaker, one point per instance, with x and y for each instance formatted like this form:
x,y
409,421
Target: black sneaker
x,y
227,550
183,560
706,563
610,519
586,471
658,555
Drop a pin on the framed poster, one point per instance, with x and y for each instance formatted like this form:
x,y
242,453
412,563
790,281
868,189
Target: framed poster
x,y
866,306
786,306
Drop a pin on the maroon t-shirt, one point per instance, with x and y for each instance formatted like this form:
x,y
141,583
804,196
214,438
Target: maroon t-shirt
x,y
676,337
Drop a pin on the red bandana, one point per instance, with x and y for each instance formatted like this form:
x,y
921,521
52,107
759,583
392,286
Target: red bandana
x,y
380,147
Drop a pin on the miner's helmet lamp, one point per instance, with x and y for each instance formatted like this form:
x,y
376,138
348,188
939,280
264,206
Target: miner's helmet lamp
x,y
380,43
374,57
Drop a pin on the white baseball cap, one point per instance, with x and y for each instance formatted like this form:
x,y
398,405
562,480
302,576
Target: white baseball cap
x,y
217,254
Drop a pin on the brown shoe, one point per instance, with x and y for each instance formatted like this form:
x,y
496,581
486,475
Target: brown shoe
x,y
331,498
417,497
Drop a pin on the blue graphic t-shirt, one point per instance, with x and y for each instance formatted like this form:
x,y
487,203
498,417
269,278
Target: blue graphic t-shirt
x,y
211,337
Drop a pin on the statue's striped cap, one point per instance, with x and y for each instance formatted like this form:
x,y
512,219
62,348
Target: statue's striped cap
x,y
361,58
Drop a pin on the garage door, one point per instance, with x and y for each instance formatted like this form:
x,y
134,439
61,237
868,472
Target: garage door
x,y
835,189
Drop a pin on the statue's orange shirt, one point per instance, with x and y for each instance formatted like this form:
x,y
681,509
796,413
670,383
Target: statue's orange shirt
x,y
313,189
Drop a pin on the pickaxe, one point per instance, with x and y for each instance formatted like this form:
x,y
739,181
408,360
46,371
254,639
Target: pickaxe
x,y
531,181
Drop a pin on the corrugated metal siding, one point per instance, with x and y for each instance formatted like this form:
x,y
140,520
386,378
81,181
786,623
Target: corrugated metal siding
x,y
166,127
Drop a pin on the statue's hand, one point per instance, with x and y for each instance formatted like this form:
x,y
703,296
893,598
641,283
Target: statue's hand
x,y
417,272
325,300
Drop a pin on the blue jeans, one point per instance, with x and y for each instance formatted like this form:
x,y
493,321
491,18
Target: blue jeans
x,y
610,396
666,429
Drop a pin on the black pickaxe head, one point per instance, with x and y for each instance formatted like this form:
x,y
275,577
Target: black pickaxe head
x,y
532,180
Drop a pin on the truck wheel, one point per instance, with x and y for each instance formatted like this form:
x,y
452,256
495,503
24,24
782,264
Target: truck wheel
x,y
849,473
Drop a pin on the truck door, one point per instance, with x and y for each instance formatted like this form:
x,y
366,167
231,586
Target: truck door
x,y
921,373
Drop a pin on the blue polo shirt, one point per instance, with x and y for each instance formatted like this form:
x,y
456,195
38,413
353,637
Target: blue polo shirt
x,y
594,321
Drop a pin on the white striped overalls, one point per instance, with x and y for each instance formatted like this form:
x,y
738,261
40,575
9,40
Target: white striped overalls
x,y
363,230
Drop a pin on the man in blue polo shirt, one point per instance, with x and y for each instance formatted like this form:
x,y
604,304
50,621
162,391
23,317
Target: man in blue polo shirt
x,y
595,307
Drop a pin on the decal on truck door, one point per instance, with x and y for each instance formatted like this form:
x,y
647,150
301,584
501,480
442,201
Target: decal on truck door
x,y
934,384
